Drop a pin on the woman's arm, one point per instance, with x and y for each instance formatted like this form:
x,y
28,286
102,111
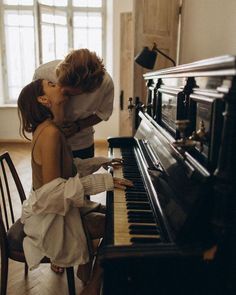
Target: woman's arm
x,y
91,165
61,194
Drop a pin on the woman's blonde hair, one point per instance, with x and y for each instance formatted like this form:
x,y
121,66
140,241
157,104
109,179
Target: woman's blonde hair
x,y
82,69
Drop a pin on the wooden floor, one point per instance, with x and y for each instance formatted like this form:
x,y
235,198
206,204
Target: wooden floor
x,y
42,280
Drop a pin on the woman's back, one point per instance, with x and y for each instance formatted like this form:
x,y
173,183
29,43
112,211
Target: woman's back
x,y
40,148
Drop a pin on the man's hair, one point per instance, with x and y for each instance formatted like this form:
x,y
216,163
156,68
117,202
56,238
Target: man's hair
x,y
31,113
82,69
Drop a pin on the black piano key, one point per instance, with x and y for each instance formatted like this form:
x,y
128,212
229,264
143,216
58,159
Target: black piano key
x,y
135,189
138,206
134,193
135,199
130,161
140,213
132,167
138,219
143,230
136,196
132,174
143,227
145,240
132,170
141,220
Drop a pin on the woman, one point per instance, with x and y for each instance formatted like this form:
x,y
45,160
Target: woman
x,y
50,215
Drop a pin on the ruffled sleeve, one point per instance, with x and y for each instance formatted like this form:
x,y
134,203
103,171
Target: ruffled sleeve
x,y
59,195
90,165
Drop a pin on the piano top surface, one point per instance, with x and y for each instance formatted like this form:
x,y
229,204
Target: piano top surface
x,y
224,65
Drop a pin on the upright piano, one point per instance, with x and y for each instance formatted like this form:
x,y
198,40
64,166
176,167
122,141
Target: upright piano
x,y
182,163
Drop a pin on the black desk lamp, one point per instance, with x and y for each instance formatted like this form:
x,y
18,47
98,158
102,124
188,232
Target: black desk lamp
x,y
146,58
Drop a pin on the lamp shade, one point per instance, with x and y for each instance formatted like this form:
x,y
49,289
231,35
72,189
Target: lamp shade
x,y
146,58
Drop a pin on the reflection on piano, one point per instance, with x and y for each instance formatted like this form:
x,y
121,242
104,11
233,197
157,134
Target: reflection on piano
x,y
183,199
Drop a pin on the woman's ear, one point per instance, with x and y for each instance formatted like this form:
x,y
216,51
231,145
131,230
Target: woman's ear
x,y
43,99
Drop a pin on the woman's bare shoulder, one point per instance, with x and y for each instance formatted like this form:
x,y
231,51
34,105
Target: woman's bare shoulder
x,y
48,132
52,133
47,140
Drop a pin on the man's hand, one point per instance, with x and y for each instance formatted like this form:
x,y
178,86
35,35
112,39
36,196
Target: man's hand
x,y
69,128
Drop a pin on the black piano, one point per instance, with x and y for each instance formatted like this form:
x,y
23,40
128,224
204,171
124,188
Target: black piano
x,y
182,163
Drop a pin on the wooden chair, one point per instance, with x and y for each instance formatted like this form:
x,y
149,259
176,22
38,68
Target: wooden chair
x,y
11,230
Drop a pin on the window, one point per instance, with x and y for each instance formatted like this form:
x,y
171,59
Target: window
x,y
34,32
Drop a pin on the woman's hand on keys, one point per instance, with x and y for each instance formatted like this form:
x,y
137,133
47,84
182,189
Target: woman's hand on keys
x,y
122,183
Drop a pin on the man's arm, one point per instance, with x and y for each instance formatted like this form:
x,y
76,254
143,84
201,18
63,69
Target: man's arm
x,y
71,128
87,122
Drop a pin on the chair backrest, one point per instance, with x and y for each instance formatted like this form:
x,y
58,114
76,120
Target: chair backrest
x,y
12,193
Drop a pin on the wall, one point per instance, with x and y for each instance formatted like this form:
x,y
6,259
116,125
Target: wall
x,y
111,128
208,29
9,123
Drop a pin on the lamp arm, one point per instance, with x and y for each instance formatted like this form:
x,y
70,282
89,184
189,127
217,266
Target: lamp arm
x,y
158,50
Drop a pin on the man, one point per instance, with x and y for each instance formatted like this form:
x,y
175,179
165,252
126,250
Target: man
x,y
82,75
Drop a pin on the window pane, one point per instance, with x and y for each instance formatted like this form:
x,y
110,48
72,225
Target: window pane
x,y
20,48
53,18
20,59
54,42
18,18
54,2
61,42
87,3
80,38
54,34
87,20
48,45
13,60
94,40
90,39
18,2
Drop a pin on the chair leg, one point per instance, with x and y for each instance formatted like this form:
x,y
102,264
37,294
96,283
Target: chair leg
x,y
70,280
4,275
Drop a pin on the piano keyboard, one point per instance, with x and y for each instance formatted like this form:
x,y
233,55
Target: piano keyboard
x,y
133,217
